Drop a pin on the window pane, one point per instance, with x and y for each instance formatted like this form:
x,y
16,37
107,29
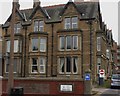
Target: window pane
x,y
34,61
67,23
98,44
68,64
15,65
62,64
75,64
68,42
16,46
7,64
41,24
75,42
42,65
35,44
74,22
35,26
62,43
43,44
17,28
8,46
34,65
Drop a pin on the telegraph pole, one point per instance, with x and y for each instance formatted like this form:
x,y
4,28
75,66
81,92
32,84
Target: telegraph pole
x,y
11,74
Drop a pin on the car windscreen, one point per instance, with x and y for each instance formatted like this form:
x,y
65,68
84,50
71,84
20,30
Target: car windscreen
x,y
116,76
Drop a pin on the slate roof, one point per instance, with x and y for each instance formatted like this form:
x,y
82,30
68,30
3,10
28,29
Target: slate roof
x,y
87,10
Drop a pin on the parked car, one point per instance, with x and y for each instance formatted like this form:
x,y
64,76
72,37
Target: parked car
x,y
115,81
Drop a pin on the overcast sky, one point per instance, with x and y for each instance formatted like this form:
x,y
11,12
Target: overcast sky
x,y
109,10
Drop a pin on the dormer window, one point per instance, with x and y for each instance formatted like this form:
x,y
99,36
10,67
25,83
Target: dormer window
x,y
71,22
38,25
17,28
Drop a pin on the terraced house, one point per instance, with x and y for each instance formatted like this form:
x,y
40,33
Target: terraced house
x,y
60,41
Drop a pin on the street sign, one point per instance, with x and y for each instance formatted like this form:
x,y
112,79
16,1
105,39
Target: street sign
x,y
102,73
87,76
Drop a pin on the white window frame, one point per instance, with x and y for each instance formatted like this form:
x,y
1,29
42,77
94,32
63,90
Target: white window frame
x,y
32,44
74,23
76,43
7,62
42,44
98,43
17,27
62,43
67,23
8,46
32,65
16,46
61,65
76,58
68,41
42,65
36,23
41,25
65,65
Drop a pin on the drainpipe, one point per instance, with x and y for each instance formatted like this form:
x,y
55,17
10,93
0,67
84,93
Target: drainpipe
x,y
82,52
25,51
52,45
90,24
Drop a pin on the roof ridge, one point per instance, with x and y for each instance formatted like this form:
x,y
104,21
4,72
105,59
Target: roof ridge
x,y
53,6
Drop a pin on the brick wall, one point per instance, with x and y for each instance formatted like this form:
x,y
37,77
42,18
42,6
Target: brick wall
x,y
44,87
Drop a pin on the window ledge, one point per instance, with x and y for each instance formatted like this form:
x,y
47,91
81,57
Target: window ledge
x,y
70,30
38,32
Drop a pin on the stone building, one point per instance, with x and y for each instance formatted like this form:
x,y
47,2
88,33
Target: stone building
x,y
118,59
60,41
0,50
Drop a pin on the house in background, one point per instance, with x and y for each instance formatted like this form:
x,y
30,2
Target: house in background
x,y
59,42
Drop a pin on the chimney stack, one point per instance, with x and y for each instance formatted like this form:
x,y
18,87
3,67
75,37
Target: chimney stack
x,y
16,4
36,3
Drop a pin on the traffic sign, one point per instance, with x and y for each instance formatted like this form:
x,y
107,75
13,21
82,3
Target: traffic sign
x,y
87,76
102,73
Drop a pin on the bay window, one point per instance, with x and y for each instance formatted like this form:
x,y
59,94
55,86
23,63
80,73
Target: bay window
x,y
17,46
68,65
68,43
16,65
38,44
38,65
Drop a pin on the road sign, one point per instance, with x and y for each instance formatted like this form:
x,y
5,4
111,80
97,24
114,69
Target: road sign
x,y
87,76
102,73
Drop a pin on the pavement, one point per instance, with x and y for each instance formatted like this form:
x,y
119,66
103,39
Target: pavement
x,y
97,91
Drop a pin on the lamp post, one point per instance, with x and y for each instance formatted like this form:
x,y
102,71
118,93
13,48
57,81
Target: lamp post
x,y
10,74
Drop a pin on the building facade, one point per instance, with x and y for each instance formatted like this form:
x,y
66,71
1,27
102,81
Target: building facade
x,y
0,50
60,41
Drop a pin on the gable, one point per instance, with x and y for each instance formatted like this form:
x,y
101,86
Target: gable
x,y
39,11
70,10
70,7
